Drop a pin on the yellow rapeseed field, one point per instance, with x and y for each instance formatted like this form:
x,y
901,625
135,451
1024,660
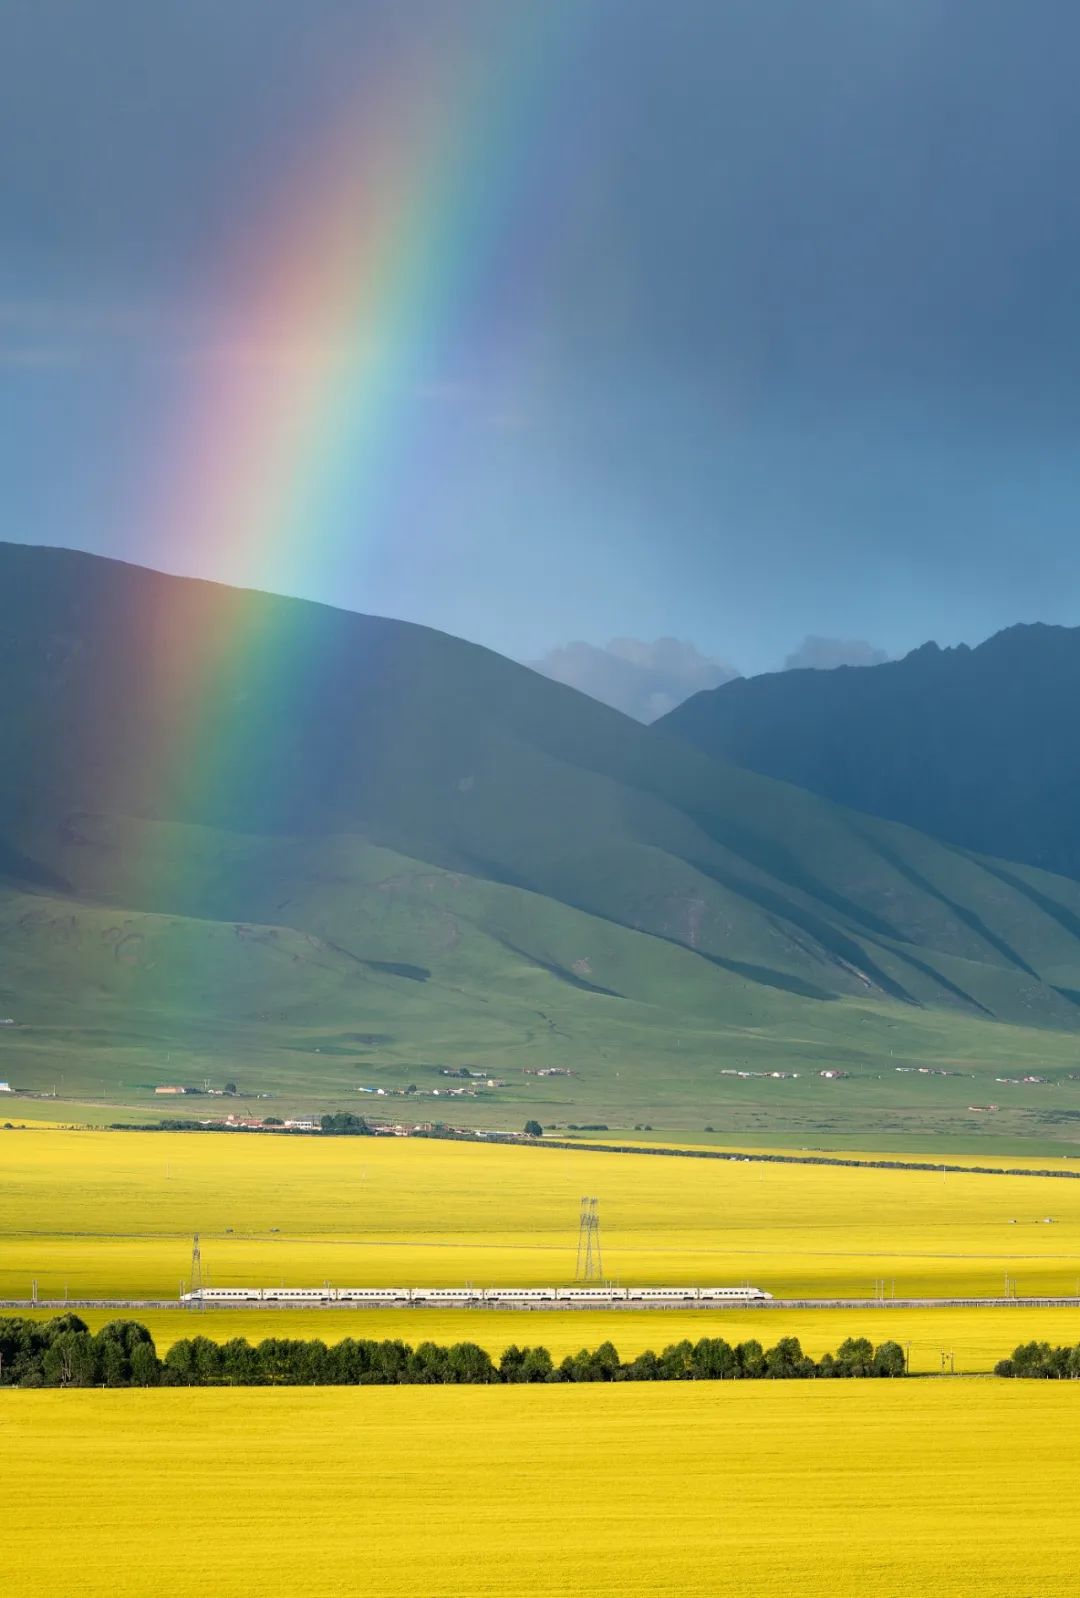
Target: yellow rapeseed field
x,y
961,1489
111,1213
964,1340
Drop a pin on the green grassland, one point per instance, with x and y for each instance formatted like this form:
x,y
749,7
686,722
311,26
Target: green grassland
x,y
378,851
393,969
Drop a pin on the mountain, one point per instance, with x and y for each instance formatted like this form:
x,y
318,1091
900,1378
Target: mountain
x,y
976,746
243,833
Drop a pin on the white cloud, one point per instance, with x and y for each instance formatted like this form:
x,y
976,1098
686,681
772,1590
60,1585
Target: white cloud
x,y
823,654
643,679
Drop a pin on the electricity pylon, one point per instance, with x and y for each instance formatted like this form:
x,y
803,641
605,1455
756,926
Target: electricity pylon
x,y
590,1265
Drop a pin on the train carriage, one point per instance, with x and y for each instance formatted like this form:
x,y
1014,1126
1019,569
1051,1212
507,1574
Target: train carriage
x,y
519,1295
590,1295
372,1295
448,1297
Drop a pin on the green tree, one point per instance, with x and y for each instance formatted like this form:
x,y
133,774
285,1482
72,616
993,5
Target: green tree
x,y
239,1363
1031,1359
389,1361
537,1365
345,1124
70,1361
352,1360
22,1344
1057,1366
178,1366
606,1359
787,1361
467,1362
145,1369
577,1367
115,1343
57,1363
315,1367
114,1367
715,1359
427,1364
645,1368
533,1129
855,1357
889,1360
511,1364
677,1362
751,1358
67,1323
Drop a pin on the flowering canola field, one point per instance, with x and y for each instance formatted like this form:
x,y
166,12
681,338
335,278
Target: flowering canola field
x,y
956,1488
962,1340
106,1214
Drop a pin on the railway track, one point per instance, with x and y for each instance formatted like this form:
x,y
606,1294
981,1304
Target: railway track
x,y
766,1305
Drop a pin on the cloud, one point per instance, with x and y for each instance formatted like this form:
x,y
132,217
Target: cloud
x,y
645,680
823,654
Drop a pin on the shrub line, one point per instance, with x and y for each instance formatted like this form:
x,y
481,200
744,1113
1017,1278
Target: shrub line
x,y
62,1352
1041,1361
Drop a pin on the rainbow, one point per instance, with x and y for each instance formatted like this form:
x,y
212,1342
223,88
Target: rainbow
x,y
304,419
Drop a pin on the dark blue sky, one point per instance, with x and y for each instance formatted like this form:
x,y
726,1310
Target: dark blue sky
x,y
774,329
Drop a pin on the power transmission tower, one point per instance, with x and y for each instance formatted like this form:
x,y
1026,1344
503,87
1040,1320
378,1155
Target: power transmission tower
x,y
590,1265
196,1266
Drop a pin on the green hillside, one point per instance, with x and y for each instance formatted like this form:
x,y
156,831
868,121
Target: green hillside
x,y
358,850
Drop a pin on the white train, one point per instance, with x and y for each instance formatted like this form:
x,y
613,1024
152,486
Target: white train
x,y
466,1296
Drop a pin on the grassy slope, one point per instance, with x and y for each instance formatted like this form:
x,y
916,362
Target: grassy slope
x,y
114,1001
383,797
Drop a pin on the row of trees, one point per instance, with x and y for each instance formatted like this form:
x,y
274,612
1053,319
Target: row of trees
x,y
64,1353
1040,1360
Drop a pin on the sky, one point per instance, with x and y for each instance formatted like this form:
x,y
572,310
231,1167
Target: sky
x,y
745,327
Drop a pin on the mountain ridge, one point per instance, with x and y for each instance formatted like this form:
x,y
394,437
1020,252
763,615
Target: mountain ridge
x,y
972,745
